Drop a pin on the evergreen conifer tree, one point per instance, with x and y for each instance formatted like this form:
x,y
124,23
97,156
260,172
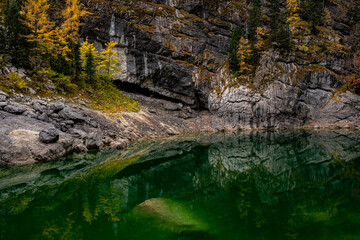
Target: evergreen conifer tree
x,y
16,44
255,17
279,27
234,45
90,67
314,14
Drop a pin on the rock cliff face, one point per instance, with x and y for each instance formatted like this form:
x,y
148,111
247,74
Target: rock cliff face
x,y
172,48
178,50
296,97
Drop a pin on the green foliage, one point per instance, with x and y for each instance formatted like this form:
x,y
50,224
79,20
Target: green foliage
x,y
255,19
59,64
17,81
90,67
16,44
234,45
313,12
107,97
279,27
60,80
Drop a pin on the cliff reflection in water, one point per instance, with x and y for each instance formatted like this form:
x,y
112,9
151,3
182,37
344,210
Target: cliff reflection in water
x,y
303,185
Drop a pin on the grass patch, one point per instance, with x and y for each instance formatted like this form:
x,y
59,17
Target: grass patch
x,y
101,94
110,99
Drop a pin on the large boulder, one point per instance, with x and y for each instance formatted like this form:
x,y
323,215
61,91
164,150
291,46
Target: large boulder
x,y
50,135
69,114
14,108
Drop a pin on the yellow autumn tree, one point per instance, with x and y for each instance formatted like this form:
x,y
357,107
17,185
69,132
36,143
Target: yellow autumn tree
x,y
293,8
243,53
327,16
109,63
41,28
294,18
260,34
69,29
85,48
299,28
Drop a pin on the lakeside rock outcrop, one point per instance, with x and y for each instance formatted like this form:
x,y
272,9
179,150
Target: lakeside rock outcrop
x,y
43,129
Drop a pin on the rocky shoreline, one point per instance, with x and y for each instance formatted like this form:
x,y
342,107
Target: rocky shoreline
x,y
35,129
43,129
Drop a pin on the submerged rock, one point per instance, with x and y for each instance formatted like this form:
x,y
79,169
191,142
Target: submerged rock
x,y
169,215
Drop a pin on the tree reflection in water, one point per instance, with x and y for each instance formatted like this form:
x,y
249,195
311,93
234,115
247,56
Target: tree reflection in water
x,y
301,185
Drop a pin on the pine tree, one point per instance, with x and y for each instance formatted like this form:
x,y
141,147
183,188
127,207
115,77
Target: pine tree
x,y
2,38
255,17
88,56
109,64
16,44
90,67
314,14
76,60
234,45
279,27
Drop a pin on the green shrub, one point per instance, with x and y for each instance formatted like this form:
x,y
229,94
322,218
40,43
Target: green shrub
x,y
60,80
17,81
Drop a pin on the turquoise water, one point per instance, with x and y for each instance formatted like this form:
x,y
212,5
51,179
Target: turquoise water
x,y
302,185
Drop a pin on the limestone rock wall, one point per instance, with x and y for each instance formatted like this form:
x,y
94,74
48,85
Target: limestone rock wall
x,y
295,96
178,50
173,48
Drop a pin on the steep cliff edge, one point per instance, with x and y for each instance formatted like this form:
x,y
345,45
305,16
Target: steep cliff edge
x,y
178,50
172,48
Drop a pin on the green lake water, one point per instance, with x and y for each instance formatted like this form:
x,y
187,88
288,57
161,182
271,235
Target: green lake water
x,y
269,185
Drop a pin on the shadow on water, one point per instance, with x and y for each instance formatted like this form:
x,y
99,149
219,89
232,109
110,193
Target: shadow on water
x,y
300,185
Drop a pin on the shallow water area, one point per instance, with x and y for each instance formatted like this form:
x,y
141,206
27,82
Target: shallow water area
x,y
257,185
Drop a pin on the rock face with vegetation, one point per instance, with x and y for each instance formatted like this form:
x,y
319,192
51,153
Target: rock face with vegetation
x,y
288,101
172,48
299,58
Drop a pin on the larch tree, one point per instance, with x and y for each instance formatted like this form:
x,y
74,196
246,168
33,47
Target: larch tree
x,y
84,49
296,25
243,54
41,28
68,32
261,32
109,63
294,18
